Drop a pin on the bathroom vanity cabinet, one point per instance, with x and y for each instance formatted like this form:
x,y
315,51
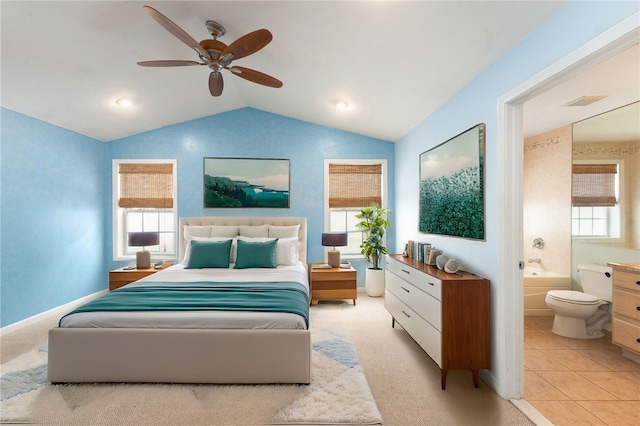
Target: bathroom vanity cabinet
x,y
626,307
446,314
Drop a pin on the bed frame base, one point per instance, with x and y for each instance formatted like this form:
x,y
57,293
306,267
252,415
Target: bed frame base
x,y
179,356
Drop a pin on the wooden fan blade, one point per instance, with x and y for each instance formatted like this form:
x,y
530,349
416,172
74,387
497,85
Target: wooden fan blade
x,y
256,76
215,84
249,43
178,32
168,63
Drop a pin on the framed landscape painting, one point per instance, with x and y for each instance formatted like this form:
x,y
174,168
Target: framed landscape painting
x,y
246,182
452,186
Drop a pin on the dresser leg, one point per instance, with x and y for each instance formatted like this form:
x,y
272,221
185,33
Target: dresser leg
x,y
393,322
476,382
443,378
354,302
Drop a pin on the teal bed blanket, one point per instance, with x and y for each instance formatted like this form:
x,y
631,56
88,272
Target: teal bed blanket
x,y
287,296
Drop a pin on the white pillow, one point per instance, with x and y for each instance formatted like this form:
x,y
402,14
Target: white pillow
x,y
284,231
187,247
197,231
287,250
259,231
224,231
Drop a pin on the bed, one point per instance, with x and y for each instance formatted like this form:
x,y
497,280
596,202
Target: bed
x,y
243,345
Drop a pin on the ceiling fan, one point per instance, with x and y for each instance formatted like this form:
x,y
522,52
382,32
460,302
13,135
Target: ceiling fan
x,y
215,54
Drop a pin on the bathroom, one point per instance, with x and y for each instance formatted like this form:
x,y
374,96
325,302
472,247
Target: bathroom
x,y
551,253
579,380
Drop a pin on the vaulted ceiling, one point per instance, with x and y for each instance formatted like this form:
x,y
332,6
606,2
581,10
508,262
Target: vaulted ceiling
x,y
394,62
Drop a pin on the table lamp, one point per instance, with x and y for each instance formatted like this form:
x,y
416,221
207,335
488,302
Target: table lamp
x,y
143,239
334,239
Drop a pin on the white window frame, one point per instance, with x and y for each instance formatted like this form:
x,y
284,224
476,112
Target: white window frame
x,y
615,215
327,211
119,231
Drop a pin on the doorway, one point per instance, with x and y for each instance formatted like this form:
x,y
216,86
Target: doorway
x,y
510,177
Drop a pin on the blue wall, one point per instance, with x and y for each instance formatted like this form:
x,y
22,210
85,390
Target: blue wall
x,y
52,217
57,201
252,133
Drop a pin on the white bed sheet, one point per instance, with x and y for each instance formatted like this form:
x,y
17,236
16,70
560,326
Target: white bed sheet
x,y
201,319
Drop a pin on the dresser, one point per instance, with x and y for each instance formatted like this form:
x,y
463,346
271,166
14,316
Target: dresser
x,y
446,314
625,308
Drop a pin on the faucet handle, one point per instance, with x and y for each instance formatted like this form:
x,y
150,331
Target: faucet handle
x,y
538,243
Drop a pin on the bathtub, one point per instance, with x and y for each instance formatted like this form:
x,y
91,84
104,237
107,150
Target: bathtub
x,y
536,284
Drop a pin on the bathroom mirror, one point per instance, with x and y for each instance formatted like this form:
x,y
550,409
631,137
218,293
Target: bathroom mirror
x,y
610,144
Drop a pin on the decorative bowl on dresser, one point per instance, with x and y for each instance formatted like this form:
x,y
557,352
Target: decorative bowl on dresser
x,y
446,314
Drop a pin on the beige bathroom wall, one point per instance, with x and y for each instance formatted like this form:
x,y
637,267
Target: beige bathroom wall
x,y
547,199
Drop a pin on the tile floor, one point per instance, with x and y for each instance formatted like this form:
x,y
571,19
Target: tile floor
x,y
578,382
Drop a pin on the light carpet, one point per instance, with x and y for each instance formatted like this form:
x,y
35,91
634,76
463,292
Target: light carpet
x,y
338,394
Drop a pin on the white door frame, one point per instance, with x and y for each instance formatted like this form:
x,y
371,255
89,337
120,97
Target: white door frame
x,y
510,179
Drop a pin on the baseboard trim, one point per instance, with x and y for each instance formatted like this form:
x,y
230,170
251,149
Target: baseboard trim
x,y
532,414
60,310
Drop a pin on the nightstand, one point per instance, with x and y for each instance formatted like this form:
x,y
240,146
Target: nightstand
x,y
334,283
119,277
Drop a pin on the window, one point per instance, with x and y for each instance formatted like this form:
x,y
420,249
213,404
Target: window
x,y
144,194
351,185
596,199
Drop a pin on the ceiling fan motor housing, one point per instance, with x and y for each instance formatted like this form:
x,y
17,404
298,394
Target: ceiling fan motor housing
x,y
215,29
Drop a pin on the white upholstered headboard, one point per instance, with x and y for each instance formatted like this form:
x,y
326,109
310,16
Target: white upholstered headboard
x,y
246,221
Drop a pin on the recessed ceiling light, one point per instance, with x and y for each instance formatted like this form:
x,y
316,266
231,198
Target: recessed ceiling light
x,y
123,102
342,105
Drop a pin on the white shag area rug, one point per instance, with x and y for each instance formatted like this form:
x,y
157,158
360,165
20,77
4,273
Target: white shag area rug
x,y
338,394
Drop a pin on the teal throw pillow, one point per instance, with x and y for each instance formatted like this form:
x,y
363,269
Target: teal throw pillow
x,y
209,254
256,254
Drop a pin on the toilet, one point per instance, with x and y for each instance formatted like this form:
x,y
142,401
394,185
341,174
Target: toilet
x,y
583,315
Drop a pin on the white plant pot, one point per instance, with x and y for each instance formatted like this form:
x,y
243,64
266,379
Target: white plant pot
x,y
374,282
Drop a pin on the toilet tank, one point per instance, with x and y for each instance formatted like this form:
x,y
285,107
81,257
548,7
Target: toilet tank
x,y
596,280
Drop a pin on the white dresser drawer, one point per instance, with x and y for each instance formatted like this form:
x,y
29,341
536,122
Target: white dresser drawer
x,y
421,331
626,304
424,282
419,301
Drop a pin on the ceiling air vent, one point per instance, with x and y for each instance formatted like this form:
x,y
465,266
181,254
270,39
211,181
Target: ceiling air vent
x,y
584,100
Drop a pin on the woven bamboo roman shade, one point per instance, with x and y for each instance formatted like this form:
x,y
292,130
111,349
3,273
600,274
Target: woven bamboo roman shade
x,y
146,185
594,185
355,185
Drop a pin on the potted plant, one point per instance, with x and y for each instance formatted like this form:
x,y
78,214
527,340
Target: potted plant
x,y
373,223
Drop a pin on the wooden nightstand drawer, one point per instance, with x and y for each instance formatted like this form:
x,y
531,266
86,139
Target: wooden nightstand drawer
x,y
120,277
332,284
333,274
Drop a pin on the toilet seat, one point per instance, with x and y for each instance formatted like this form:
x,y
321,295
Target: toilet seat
x,y
574,297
